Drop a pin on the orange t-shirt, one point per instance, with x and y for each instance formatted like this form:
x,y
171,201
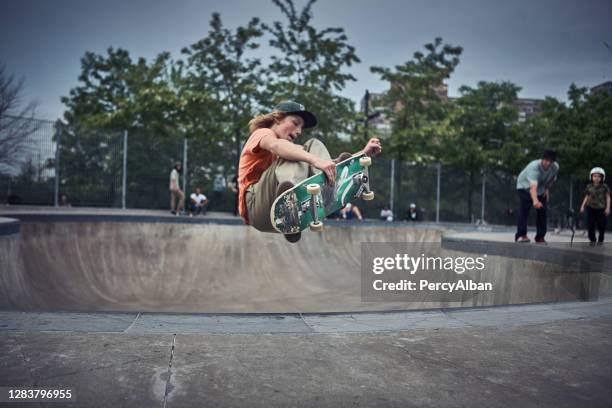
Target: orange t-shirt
x,y
253,162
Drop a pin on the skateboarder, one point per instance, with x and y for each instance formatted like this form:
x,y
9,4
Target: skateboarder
x,y
533,186
597,204
271,162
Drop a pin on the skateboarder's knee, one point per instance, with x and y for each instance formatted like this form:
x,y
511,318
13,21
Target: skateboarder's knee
x,y
310,143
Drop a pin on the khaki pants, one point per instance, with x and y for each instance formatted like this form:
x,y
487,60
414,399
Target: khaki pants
x,y
260,196
174,194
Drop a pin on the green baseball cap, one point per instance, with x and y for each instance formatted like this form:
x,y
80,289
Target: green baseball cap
x,y
294,108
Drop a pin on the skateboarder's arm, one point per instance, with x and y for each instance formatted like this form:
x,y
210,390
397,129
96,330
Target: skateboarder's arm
x,y
289,151
285,149
607,210
372,148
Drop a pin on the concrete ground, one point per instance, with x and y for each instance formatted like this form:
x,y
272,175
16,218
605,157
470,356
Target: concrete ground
x,y
562,363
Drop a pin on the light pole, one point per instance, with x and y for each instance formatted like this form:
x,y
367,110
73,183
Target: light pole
x,y
366,112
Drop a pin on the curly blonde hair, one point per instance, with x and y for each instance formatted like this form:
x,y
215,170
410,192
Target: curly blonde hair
x,y
266,121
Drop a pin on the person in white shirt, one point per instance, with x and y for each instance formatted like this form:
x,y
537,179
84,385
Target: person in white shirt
x,y
386,214
198,202
351,211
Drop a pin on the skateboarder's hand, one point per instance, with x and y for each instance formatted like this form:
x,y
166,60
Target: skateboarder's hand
x,y
582,209
538,204
607,212
328,167
373,147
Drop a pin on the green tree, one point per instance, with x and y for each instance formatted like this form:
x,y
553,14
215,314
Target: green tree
x,y
117,94
220,65
311,67
580,131
418,113
485,136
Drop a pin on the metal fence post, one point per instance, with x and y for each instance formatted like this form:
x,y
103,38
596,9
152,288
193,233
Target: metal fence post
x,y
124,174
392,184
439,171
483,200
58,135
185,166
571,194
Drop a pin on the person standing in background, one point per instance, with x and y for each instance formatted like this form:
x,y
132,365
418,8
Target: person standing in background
x,y
235,190
175,190
533,185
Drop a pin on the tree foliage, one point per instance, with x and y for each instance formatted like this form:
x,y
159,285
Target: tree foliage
x,y
218,65
580,131
310,67
418,113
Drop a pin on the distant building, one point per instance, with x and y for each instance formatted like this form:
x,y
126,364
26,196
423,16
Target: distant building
x,y
605,87
527,107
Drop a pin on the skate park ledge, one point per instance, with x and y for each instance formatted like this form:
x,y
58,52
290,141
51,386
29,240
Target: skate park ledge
x,y
492,240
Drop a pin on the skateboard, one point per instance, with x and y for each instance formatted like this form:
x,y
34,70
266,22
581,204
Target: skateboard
x,y
307,203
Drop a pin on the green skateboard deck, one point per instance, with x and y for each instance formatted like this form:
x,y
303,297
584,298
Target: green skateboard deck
x,y
293,211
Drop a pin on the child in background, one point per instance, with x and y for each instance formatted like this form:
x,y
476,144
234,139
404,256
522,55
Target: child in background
x,y
597,204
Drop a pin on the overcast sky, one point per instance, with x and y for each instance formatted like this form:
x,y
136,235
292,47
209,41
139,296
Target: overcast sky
x,y
541,45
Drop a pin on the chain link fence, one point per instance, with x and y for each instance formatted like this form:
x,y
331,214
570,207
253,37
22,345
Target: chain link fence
x,y
148,162
90,168
27,152
131,170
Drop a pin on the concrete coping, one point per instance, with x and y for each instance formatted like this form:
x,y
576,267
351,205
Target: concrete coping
x,y
85,214
311,323
9,226
578,255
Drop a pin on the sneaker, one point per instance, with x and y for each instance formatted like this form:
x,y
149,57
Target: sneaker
x,y
343,156
599,243
541,241
282,187
172,212
522,240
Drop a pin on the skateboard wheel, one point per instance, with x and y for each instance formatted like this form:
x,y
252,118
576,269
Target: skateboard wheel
x,y
313,189
368,196
316,226
365,162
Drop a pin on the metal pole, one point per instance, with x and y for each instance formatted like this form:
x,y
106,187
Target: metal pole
x,y
483,201
571,194
392,182
58,134
185,165
439,171
125,154
366,111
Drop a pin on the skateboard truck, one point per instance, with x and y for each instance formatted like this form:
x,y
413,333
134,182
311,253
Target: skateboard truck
x,y
314,190
367,194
